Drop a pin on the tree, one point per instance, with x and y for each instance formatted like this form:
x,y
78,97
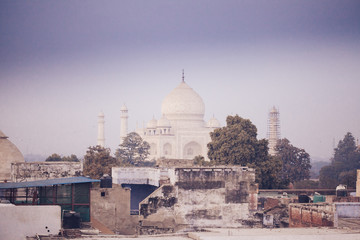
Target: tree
x,y
295,162
200,161
133,151
343,165
98,162
236,144
54,158
57,158
71,158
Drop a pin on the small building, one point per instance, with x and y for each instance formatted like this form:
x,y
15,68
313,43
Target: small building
x,y
72,194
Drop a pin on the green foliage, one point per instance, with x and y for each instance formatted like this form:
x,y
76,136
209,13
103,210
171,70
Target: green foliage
x,y
268,172
306,184
343,166
57,158
316,167
54,158
295,162
98,162
71,158
200,161
236,144
328,177
133,151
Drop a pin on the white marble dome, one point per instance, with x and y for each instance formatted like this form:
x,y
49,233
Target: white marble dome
x,y
152,123
213,123
163,122
183,103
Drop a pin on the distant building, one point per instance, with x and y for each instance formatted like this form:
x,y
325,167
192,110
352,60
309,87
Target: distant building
x,y
273,133
101,131
181,132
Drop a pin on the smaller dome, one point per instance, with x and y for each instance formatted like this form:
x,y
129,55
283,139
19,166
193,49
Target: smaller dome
x,y
152,123
101,114
213,123
163,122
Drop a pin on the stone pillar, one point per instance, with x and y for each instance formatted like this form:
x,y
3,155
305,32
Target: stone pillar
x,y
123,123
101,134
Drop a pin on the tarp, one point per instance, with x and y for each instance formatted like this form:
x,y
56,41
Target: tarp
x,y
47,182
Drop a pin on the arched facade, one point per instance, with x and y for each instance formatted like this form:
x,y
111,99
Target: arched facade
x,y
167,149
191,150
181,132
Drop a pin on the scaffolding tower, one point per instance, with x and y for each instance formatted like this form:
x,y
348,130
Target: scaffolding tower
x,y
273,129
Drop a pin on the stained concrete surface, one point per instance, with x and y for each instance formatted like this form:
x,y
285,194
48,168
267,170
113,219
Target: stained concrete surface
x,y
251,234
278,234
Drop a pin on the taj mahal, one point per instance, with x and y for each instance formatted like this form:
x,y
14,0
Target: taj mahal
x,y
180,133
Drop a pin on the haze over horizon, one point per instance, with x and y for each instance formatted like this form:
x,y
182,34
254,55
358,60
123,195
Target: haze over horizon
x,y
61,63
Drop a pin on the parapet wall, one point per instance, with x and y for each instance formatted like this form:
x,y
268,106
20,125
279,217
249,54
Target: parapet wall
x,y
34,171
322,214
311,215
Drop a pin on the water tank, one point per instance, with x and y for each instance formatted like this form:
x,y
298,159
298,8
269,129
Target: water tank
x,y
303,198
319,198
106,181
71,220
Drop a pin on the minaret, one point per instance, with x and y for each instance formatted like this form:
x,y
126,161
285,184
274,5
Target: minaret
x,y
123,122
273,133
101,134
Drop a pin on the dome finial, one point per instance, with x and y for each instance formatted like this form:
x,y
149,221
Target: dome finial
x,y
183,76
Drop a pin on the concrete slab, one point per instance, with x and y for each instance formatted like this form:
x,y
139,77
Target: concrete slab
x,y
278,234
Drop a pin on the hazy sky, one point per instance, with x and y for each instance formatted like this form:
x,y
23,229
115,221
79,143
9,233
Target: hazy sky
x,y
62,62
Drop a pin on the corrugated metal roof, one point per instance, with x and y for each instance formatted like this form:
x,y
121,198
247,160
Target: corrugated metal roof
x,y
48,182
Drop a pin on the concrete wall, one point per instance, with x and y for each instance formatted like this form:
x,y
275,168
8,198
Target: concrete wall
x,y
311,215
347,210
17,222
136,175
33,171
111,207
322,214
201,197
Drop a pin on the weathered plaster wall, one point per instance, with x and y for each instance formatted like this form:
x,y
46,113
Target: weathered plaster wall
x,y
348,210
136,175
33,171
201,197
311,215
17,222
111,207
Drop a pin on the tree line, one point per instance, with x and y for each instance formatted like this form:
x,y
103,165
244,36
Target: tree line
x,y
237,144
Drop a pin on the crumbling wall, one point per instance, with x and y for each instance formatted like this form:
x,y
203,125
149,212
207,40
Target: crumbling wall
x,y
158,212
32,171
136,175
311,215
201,197
111,207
